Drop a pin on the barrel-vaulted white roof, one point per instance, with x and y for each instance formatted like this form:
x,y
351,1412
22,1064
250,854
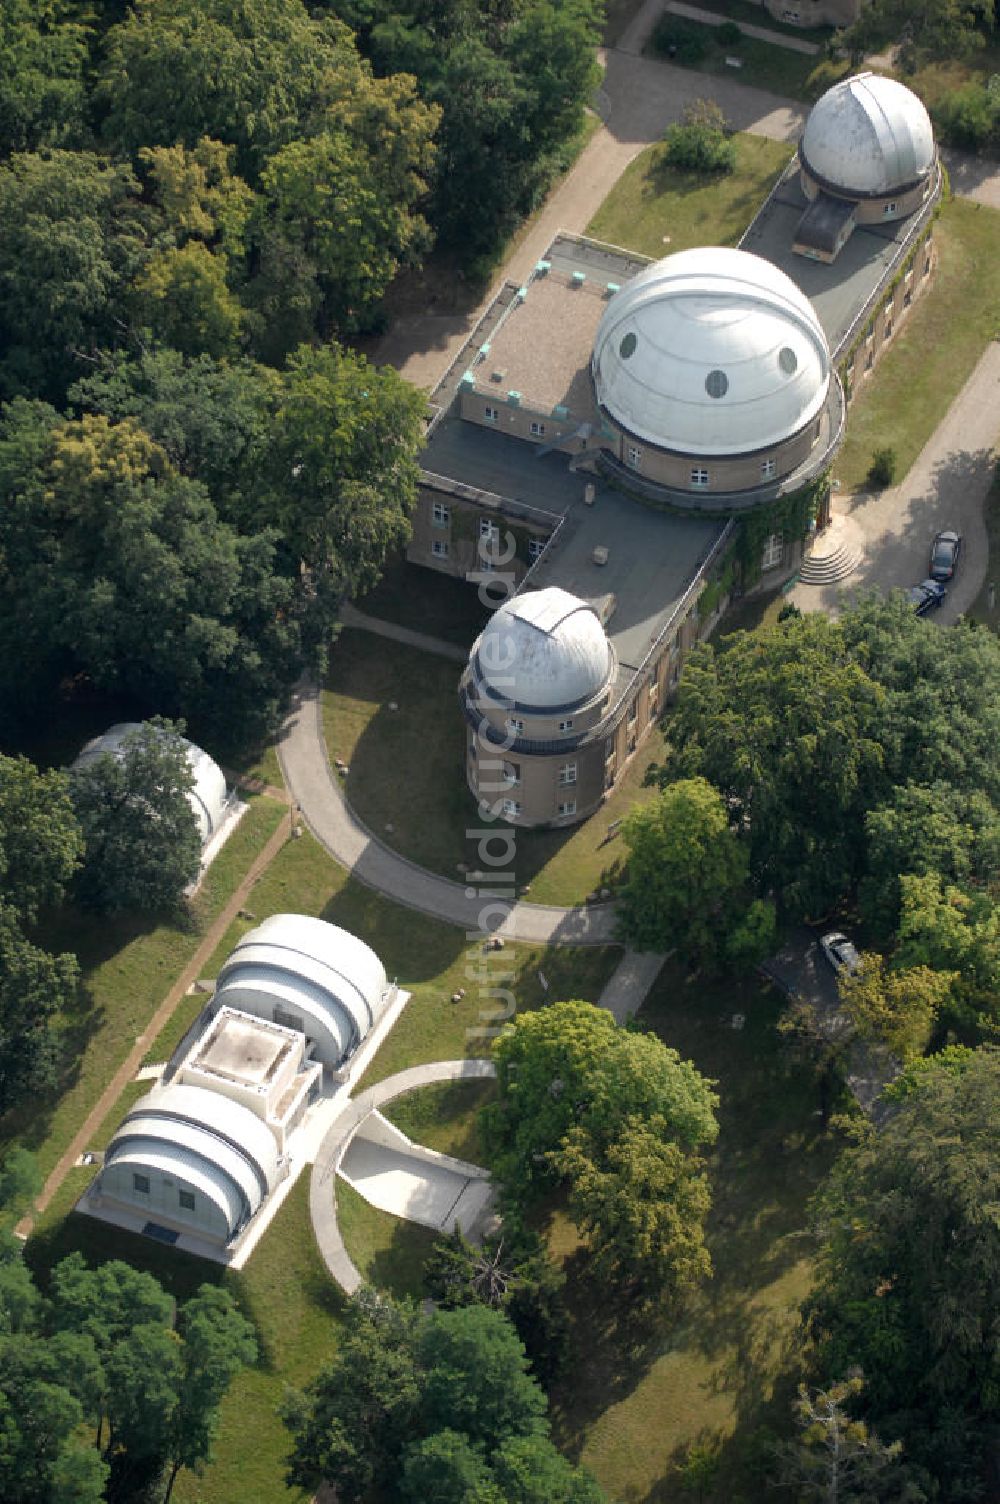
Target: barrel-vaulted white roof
x,y
868,136
207,796
331,983
545,650
201,1139
711,352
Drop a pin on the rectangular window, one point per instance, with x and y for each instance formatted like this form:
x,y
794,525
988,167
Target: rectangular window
x,y
490,414
569,808
186,1200
536,547
511,809
537,430
888,209
439,549
633,457
567,774
442,514
870,361
566,725
699,477
768,469
907,298
140,1183
514,726
887,331
511,774
633,711
773,552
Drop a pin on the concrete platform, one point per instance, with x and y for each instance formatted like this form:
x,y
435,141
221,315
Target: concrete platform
x,y
408,1180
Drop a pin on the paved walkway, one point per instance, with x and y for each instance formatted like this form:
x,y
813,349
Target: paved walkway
x,y
946,486
314,788
760,33
126,1072
350,616
627,988
322,1182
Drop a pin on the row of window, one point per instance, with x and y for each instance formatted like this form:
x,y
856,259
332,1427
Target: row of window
x,y
185,1199
492,415
512,774
512,808
699,475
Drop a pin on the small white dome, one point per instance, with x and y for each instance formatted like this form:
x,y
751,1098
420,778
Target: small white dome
x,y
546,650
711,352
207,795
868,136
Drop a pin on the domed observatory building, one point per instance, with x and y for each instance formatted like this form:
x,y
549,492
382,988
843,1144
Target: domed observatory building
x,y
208,796
311,976
867,156
537,688
713,379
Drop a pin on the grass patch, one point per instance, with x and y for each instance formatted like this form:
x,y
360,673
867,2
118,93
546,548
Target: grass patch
x,y
127,970
655,209
766,65
634,1401
445,1117
430,809
937,348
425,601
389,1251
936,79
749,613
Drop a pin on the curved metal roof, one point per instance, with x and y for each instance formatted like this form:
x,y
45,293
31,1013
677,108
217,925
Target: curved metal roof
x,y
207,795
711,352
165,1157
868,136
221,1131
544,650
309,962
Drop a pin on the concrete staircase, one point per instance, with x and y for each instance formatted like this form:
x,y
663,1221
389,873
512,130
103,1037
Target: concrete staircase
x,y
833,554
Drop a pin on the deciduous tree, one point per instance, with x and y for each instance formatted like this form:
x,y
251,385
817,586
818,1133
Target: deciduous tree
x,y
896,1008
34,987
40,840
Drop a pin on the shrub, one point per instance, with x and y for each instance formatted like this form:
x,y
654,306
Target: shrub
x,y
682,40
701,143
882,470
969,116
729,34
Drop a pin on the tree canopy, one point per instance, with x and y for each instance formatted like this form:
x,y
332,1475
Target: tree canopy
x,y
438,1406
908,1279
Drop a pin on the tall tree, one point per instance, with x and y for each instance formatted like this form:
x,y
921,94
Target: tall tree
x,y
896,1008
34,986
40,840
835,1459
685,868
142,846
909,1275
43,56
217,1343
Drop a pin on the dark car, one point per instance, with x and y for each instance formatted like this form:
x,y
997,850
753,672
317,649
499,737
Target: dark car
x,y
944,555
925,596
840,952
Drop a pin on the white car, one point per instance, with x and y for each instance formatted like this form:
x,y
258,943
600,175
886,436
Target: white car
x,y
840,952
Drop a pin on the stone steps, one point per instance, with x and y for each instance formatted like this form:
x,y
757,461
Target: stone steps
x,y
827,569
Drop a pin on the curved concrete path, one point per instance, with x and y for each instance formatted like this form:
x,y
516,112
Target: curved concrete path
x,y
322,1181
320,798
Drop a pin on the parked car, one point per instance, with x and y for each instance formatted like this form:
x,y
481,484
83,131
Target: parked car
x,y
944,554
840,952
926,596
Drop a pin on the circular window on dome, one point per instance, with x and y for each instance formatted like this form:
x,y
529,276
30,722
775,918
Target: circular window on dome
x,y
788,360
627,346
717,383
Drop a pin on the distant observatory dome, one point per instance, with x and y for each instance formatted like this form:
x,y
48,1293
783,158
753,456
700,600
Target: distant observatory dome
x,y
711,352
866,137
543,651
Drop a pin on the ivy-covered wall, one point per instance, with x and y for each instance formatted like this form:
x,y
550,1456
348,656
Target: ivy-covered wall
x,y
790,515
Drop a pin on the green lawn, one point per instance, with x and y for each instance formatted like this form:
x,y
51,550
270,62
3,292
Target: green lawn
x,y
445,1117
127,970
407,771
388,1251
635,1401
425,601
934,354
657,210
766,65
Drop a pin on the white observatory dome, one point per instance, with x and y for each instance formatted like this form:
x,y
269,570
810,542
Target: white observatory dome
x,y
546,650
866,137
711,352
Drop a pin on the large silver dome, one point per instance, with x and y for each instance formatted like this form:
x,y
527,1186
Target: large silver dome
x,y
711,352
868,136
543,651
